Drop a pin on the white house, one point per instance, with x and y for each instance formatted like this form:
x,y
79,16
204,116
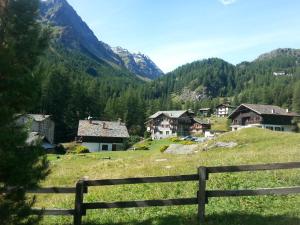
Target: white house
x,y
102,135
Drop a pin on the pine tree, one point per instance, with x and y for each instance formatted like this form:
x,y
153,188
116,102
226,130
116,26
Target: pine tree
x,y
21,42
296,97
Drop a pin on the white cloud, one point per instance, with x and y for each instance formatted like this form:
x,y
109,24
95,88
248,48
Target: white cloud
x,y
227,2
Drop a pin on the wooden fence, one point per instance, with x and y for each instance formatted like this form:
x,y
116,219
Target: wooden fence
x,y
201,199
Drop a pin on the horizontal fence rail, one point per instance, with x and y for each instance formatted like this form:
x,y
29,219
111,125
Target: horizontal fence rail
x,y
244,168
145,203
53,212
191,177
201,198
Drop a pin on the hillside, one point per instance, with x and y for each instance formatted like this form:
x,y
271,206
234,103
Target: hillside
x,y
73,34
254,146
270,79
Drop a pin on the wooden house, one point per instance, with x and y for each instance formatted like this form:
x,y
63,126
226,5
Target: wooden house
x,y
264,116
199,126
165,124
102,135
224,109
206,112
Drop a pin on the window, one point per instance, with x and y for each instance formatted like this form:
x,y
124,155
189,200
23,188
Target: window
x,y
104,147
278,128
167,132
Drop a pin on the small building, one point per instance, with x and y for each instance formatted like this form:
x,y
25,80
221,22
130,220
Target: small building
x,y
38,125
224,109
102,135
206,112
263,116
199,126
165,124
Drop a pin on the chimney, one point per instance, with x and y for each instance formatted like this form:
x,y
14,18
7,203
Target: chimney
x,y
104,125
273,111
120,121
287,110
90,119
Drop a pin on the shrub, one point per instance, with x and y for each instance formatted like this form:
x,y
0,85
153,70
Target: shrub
x,y
79,149
143,146
175,139
163,148
187,143
132,140
60,149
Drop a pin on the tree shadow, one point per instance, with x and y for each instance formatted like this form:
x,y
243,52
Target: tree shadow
x,y
214,219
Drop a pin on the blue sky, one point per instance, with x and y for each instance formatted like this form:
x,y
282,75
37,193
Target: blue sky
x,y
175,32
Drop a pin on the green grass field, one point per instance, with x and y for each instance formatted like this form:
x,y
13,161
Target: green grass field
x,y
254,146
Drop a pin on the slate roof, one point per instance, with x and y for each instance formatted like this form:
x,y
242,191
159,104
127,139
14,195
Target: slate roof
x,y
97,128
38,117
171,114
199,120
266,110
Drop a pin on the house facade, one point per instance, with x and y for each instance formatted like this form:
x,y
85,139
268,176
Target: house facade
x,y
263,116
38,124
164,124
223,110
102,135
206,112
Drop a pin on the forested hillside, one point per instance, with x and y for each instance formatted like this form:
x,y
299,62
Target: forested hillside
x,y
82,76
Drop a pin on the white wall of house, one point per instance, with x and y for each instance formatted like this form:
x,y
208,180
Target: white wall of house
x,y
97,147
284,128
222,111
93,147
164,130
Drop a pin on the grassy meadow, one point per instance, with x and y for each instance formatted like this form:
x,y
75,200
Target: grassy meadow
x,y
254,146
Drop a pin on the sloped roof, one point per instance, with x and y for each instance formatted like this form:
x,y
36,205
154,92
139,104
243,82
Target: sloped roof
x,y
171,114
201,121
97,128
266,110
38,117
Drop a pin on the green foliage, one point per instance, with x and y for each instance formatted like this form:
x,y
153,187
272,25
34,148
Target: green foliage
x,y
175,139
81,149
187,142
163,148
296,97
132,140
22,41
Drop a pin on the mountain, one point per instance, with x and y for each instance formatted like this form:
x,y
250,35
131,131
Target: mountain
x,y
280,52
73,34
138,63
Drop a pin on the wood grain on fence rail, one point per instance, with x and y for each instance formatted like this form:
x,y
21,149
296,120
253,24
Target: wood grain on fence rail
x,y
53,212
145,203
138,180
241,168
264,191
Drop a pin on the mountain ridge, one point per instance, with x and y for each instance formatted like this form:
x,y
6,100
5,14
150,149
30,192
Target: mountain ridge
x,y
73,33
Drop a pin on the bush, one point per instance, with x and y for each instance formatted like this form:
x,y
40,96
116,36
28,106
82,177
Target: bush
x,y
147,134
163,148
144,146
187,142
132,140
175,139
79,149
60,149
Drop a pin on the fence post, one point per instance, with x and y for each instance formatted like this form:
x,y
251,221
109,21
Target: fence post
x,y
78,203
202,193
